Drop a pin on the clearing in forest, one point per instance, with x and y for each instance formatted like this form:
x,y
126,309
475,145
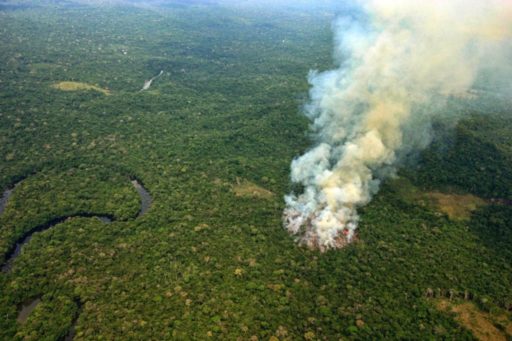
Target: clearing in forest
x,y
248,189
484,326
79,86
455,206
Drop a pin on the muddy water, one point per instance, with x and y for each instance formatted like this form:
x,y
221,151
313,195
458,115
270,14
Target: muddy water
x,y
147,83
26,309
71,333
7,194
5,197
145,197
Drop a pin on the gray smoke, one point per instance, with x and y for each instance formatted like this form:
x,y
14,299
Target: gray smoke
x,y
396,66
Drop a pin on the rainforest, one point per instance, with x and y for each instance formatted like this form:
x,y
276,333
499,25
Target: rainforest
x,y
145,156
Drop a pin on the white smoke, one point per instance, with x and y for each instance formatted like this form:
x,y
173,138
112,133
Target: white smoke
x,y
395,66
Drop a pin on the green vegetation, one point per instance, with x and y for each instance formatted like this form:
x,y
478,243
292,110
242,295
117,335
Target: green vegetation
x,y
88,190
483,325
77,86
212,140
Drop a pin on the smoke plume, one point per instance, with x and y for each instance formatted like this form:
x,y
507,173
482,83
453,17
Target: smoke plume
x,y
397,61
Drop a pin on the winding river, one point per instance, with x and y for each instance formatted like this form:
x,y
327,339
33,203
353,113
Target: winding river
x,y
72,330
145,197
5,197
15,251
148,82
26,309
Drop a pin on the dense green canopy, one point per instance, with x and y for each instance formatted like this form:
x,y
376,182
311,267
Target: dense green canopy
x,y
205,261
